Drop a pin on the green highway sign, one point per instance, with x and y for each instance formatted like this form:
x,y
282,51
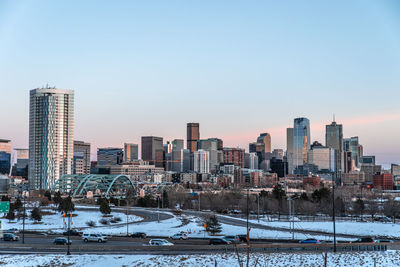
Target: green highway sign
x,y
4,206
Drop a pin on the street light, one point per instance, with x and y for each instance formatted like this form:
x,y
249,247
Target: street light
x,y
23,218
333,211
69,222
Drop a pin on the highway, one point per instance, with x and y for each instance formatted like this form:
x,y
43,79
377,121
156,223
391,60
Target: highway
x,y
41,244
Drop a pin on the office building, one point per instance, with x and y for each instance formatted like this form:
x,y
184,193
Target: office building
x,y
5,156
353,178
367,160
251,161
279,166
334,139
278,154
177,144
352,145
212,146
131,152
201,161
193,135
265,139
152,150
109,156
180,160
234,156
81,162
383,181
323,157
370,170
289,149
22,162
348,162
301,141
51,136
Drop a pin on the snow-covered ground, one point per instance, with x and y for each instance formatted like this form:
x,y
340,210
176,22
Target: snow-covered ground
x,y
194,228
386,259
389,230
56,222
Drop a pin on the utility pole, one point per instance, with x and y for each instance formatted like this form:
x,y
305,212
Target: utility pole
x,y
158,210
69,222
23,218
258,208
333,211
199,201
127,209
247,213
290,211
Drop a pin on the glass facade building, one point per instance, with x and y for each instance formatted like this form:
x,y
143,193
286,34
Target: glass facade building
x,y
301,141
51,136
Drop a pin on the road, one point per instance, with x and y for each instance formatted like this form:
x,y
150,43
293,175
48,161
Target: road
x,y
242,223
41,244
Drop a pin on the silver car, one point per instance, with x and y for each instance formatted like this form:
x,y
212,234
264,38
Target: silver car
x,y
160,242
94,238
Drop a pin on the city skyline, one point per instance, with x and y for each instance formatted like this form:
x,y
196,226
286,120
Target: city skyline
x,y
240,61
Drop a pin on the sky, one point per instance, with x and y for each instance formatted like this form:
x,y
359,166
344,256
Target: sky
x,y
239,68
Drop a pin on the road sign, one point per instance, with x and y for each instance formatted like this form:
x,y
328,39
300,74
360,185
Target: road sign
x,y
4,206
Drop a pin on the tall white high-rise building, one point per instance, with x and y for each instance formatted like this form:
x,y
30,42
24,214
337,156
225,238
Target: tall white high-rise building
x,y
201,162
51,136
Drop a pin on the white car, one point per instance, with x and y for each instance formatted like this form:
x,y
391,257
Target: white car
x,y
179,237
94,238
160,242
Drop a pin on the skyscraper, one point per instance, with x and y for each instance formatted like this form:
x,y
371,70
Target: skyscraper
x,y
301,141
5,156
131,152
51,136
109,156
201,161
22,162
289,149
153,150
352,145
334,139
81,158
265,138
193,135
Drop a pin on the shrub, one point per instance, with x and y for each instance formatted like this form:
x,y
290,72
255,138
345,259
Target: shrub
x,y
91,223
105,208
104,221
35,214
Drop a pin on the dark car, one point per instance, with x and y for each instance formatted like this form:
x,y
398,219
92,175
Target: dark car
x,y
73,232
310,241
234,239
11,231
242,238
218,241
10,237
364,240
384,241
61,241
139,235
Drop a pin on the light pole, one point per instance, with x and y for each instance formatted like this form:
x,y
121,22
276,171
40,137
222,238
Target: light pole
x,y
333,211
127,227
247,213
23,218
69,222
258,208
158,209
199,201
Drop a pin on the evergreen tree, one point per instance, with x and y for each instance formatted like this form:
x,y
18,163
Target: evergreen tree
x,y
36,215
57,197
11,213
105,208
213,225
65,205
165,200
48,195
18,204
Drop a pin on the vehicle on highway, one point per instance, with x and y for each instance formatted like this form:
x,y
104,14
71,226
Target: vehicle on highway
x,y
139,235
11,231
384,241
179,236
61,241
218,241
242,238
73,232
160,242
10,237
310,241
364,240
234,239
94,238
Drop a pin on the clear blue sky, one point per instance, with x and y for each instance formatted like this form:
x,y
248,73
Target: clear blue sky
x,y
237,67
